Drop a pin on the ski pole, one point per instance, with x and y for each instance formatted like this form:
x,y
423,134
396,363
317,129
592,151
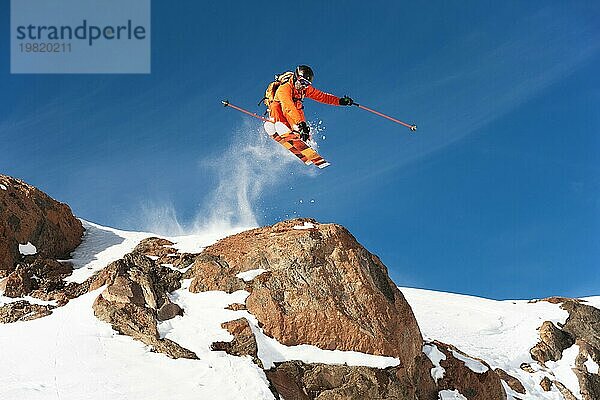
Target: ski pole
x,y
411,127
226,103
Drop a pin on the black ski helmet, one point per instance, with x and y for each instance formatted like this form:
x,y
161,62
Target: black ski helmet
x,y
305,72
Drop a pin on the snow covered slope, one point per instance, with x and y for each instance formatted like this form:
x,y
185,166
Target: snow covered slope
x,y
71,354
498,332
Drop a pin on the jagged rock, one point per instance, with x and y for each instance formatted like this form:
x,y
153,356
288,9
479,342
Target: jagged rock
x,y
473,385
298,380
527,368
322,288
154,246
583,322
50,270
19,283
566,393
553,342
589,382
323,381
510,380
295,380
236,307
287,380
546,384
589,385
555,300
23,311
586,351
243,343
582,328
124,290
140,323
163,252
59,291
29,215
168,311
136,289
212,272
40,278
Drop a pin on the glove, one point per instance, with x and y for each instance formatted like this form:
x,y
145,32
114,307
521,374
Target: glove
x,y
346,101
304,130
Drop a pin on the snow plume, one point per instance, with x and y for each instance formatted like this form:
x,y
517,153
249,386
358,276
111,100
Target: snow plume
x,y
252,164
162,219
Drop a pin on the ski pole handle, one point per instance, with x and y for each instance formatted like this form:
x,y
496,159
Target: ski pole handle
x,y
411,127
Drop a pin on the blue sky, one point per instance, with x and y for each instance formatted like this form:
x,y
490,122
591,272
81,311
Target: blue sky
x,y
497,195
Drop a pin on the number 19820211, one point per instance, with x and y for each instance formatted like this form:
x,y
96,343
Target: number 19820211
x,y
45,47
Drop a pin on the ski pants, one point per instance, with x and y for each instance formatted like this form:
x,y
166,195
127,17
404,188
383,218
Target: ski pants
x,y
276,112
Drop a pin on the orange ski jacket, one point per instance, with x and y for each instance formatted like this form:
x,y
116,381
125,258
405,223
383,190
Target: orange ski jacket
x,y
290,100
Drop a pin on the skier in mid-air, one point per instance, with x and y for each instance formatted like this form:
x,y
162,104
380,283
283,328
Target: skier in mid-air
x,y
284,99
287,124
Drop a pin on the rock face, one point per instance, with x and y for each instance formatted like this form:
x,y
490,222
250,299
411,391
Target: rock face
x,y
135,297
41,278
295,380
582,328
321,288
511,381
28,215
244,342
583,324
161,250
546,384
301,381
553,342
482,384
22,311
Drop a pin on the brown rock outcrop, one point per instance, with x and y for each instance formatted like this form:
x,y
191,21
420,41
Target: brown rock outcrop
x,y
321,288
295,380
546,384
553,342
582,328
243,343
527,368
40,278
136,290
29,215
564,391
473,385
161,250
22,311
510,380
18,283
168,311
589,382
299,380
589,385
583,322
213,273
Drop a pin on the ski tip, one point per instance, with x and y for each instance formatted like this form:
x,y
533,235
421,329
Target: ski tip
x,y
225,102
413,128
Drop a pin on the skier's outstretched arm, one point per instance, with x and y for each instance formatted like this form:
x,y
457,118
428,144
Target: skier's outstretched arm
x,y
322,97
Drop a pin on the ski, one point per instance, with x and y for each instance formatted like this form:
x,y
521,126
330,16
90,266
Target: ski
x,y
291,141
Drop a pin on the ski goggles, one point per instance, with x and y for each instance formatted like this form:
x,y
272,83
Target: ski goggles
x,y
304,82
